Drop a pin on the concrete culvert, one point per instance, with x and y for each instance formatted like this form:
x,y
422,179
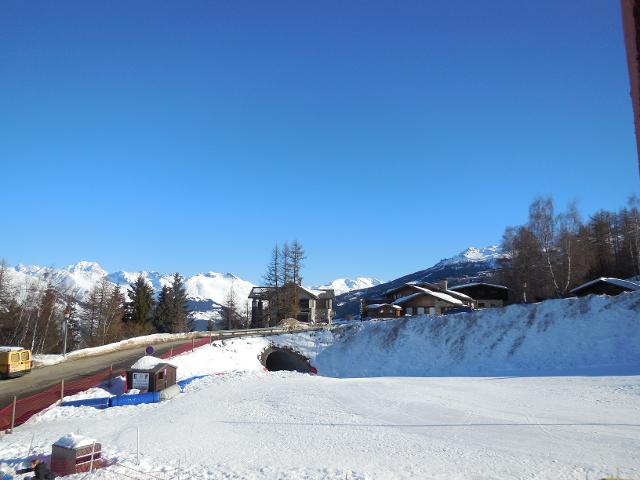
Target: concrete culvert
x,y
278,358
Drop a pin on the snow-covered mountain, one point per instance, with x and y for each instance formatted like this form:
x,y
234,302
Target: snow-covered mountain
x,y
206,292
344,285
469,265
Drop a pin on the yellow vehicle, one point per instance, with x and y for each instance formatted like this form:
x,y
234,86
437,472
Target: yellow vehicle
x,y
14,362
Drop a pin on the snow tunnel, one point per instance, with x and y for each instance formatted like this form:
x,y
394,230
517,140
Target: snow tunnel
x,y
280,358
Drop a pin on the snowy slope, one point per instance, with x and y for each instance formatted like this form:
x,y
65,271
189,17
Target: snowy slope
x,y
472,264
391,422
344,285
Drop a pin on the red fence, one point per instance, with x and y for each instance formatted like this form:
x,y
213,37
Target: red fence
x,y
28,406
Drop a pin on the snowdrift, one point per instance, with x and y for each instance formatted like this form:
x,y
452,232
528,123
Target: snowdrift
x,y
595,335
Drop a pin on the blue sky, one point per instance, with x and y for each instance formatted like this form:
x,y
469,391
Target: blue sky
x,y
384,136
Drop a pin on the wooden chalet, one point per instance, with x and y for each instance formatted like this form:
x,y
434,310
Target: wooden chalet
x,y
486,295
418,298
605,286
314,305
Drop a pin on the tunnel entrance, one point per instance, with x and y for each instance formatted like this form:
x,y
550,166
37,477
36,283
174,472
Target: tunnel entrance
x,y
276,359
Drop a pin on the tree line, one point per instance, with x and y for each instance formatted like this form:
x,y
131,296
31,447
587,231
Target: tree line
x,y
40,314
555,252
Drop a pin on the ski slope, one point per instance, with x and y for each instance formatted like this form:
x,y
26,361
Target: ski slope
x,y
377,411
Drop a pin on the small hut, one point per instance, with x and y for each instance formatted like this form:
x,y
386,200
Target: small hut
x,y
150,374
75,454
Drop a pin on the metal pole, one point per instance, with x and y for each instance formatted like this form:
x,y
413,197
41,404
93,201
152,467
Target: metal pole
x,y
193,342
13,413
110,375
210,338
171,351
93,451
62,389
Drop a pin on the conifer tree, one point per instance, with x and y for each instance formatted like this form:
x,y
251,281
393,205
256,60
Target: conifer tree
x,y
162,320
179,305
139,309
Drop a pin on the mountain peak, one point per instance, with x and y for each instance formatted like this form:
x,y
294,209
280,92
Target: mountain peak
x,y
474,254
86,266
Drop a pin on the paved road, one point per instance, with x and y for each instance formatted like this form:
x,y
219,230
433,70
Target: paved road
x,y
42,378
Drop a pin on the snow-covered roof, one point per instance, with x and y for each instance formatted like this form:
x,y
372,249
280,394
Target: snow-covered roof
x,y
72,440
626,284
148,362
318,293
425,291
378,305
10,349
475,284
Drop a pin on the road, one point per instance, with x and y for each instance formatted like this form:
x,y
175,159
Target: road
x,y
42,378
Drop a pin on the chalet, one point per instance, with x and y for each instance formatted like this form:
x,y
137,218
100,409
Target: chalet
x,y
605,286
383,310
486,295
417,299
314,305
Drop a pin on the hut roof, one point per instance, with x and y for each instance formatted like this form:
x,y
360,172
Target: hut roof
x,y
72,440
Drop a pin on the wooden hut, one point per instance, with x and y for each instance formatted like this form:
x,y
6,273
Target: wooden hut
x,y
75,454
486,295
150,374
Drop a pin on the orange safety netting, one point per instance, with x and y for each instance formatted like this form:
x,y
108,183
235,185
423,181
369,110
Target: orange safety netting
x,y
28,406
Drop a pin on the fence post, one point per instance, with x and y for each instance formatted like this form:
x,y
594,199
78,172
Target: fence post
x,y
110,375
171,351
13,413
210,338
193,342
93,452
62,389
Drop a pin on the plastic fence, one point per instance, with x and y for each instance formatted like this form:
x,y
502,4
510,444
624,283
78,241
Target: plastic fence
x,y
28,406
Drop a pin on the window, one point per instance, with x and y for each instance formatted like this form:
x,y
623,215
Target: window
x,y
420,310
432,310
24,356
409,310
15,357
161,375
304,303
481,305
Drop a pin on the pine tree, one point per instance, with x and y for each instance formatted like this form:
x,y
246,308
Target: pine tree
x,y
231,317
139,308
162,318
179,305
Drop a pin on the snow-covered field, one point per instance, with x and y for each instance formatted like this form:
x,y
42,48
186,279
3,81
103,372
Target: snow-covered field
x,y
393,421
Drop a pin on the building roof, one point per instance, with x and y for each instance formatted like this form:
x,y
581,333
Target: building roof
x,y
477,284
317,293
425,291
379,305
625,284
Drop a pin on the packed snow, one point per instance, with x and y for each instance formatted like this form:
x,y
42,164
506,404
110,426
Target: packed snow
x,y
147,362
444,397
71,440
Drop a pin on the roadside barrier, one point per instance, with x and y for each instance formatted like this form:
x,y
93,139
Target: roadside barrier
x,y
134,399
102,402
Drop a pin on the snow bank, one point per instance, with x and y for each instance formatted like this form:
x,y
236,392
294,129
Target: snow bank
x,y
590,335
